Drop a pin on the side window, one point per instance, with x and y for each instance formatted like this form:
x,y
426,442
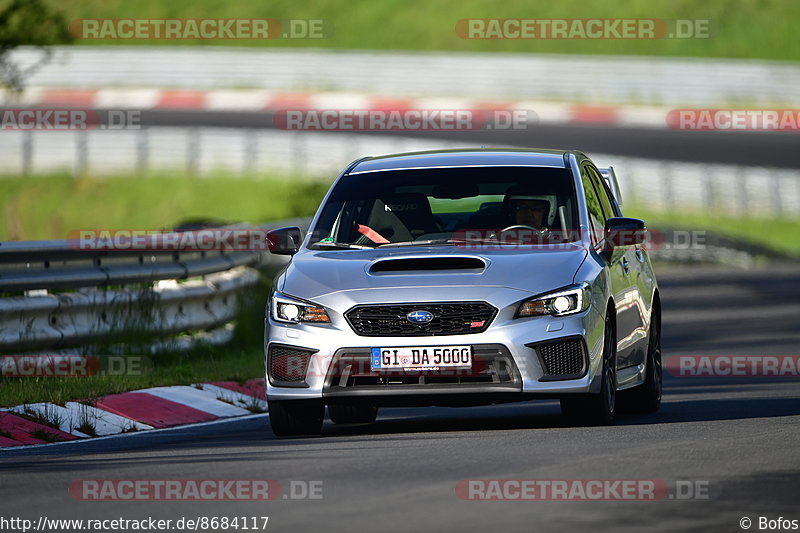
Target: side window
x,y
596,217
602,192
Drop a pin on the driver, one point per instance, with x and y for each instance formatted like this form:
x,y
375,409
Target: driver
x,y
529,211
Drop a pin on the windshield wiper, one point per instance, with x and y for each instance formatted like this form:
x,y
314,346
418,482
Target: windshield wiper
x,y
417,243
340,246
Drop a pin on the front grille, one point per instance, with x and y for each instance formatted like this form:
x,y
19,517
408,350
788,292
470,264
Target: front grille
x,y
288,365
351,371
563,359
449,318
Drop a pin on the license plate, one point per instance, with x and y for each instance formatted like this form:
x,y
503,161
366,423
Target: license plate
x,y
422,357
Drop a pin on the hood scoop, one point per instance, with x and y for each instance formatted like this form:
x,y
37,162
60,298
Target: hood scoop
x,y
409,264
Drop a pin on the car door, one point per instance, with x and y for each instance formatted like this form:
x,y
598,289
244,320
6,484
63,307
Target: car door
x,y
623,268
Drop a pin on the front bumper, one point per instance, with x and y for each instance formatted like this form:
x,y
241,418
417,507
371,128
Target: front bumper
x,y
518,340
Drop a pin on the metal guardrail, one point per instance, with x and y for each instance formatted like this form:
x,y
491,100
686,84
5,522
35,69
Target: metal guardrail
x,y
105,293
54,296
34,265
568,77
659,185
59,320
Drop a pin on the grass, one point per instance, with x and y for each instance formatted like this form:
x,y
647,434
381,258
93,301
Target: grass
x,y
45,417
230,363
45,435
87,421
779,234
739,28
39,207
36,208
49,207
239,361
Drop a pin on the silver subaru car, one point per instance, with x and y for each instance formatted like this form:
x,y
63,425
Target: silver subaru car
x,y
460,278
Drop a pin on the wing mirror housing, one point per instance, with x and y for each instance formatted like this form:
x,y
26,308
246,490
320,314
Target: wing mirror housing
x,y
623,231
284,241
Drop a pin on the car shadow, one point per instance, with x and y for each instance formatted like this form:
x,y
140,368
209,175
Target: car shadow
x,y
242,436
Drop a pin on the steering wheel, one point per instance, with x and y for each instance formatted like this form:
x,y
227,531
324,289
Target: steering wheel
x,y
522,226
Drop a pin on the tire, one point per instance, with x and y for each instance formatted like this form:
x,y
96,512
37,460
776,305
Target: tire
x,y
352,414
597,409
296,417
646,398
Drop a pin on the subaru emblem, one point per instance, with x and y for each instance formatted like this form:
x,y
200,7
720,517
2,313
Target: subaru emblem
x,y
419,317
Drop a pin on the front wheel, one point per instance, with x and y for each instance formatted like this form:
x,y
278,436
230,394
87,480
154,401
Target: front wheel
x,y
646,398
597,409
290,418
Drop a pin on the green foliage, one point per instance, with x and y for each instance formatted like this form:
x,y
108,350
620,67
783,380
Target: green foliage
x,y
31,22
779,234
738,28
46,207
234,362
27,22
49,207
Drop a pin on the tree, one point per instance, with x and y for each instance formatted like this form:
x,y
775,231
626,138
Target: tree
x,y
31,23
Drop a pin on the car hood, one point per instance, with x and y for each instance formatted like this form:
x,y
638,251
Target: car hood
x,y
362,276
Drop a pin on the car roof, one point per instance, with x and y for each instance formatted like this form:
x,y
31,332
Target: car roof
x,y
462,158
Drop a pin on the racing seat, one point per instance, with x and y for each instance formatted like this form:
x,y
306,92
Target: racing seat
x,y
402,217
490,216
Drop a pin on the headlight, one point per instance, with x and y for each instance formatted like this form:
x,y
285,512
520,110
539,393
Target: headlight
x,y
568,301
288,309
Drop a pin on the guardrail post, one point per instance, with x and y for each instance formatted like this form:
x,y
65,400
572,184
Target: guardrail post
x,y
777,196
193,152
250,152
797,206
298,153
741,192
81,153
624,180
629,189
352,147
27,153
142,151
669,189
708,191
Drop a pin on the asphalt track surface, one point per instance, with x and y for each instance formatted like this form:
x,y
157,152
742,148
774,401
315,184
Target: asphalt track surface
x,y
773,149
737,436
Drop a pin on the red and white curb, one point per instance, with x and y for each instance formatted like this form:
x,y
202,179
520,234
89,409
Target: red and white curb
x,y
142,410
266,101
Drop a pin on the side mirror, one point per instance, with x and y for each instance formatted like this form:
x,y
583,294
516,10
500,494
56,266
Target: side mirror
x,y
622,231
284,241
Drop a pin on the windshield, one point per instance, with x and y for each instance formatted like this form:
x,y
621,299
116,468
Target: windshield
x,y
523,205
